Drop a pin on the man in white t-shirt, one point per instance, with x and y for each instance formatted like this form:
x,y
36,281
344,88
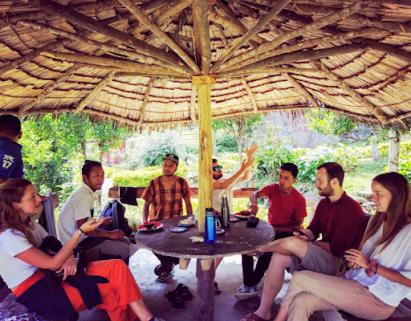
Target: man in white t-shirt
x,y
99,244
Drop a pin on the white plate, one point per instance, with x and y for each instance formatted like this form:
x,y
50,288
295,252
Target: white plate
x,y
178,229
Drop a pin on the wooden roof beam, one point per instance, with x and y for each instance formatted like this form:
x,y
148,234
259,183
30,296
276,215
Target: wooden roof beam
x,y
278,6
286,36
140,16
268,71
301,90
49,88
201,34
145,101
239,25
376,112
165,15
302,55
110,32
96,90
125,65
103,46
390,49
250,94
31,55
304,45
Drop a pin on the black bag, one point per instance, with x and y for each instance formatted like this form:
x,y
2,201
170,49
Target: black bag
x,y
116,211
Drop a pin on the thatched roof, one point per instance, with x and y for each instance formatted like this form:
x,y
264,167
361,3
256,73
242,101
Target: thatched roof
x,y
133,60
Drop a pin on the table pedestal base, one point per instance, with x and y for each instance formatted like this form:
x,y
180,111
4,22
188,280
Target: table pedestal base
x,y
205,292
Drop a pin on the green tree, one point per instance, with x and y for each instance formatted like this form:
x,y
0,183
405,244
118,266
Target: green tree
x,y
329,123
241,128
55,147
49,146
107,134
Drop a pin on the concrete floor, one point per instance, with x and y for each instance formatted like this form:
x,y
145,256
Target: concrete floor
x,y
228,276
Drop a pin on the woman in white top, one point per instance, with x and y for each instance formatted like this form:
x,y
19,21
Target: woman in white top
x,y
380,274
21,261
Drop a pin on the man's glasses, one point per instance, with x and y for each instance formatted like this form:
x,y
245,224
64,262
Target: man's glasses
x,y
217,168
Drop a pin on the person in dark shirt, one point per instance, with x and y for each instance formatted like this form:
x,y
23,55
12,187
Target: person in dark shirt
x,y
341,222
11,162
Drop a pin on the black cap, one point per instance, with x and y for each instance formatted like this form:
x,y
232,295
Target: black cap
x,y
172,157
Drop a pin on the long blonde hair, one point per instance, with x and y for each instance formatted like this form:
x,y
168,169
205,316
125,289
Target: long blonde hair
x,y
398,213
12,191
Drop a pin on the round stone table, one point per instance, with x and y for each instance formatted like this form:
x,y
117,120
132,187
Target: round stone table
x,y
238,239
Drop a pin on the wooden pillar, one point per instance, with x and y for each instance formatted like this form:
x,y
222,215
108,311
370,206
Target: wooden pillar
x,y
394,150
203,85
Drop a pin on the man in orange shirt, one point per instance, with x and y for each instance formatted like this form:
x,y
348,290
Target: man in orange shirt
x,y
287,211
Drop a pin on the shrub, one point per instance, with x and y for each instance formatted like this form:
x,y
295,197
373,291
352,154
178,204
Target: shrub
x,y
226,143
142,176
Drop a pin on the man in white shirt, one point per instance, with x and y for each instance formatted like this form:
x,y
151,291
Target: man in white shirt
x,y
99,244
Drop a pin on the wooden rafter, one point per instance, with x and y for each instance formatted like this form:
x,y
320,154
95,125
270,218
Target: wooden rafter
x,y
49,88
125,65
112,33
165,15
280,5
301,90
33,54
103,46
400,117
304,45
238,24
286,36
140,16
380,115
145,101
268,71
390,49
97,89
201,34
302,55
250,94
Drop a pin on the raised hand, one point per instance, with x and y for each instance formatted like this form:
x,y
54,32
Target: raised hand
x,y
250,151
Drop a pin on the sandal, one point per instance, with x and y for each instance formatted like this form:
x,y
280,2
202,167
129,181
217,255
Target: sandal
x,y
180,291
253,317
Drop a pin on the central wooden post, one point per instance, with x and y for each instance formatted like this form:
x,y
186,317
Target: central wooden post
x,y
205,186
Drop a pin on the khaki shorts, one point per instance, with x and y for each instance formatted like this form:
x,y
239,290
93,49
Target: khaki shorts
x,y
318,260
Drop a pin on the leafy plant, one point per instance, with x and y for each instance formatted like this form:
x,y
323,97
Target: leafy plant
x,y
329,123
241,128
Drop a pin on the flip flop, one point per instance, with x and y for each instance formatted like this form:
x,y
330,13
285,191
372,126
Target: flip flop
x,y
253,317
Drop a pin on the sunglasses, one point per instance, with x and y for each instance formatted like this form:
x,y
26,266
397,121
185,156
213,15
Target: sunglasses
x,y
217,168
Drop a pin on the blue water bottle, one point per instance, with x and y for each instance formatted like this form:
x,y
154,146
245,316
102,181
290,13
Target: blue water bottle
x,y
210,226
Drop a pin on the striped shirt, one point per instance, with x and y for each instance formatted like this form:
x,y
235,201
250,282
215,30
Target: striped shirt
x,y
167,203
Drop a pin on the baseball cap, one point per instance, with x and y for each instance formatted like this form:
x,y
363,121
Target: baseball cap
x,y
171,157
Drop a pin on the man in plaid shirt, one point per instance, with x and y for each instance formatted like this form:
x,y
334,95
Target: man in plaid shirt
x,y
163,200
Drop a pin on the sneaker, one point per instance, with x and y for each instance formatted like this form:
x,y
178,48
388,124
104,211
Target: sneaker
x,y
166,278
245,292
